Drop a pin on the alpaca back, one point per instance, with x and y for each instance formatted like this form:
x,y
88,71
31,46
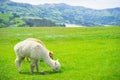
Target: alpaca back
x,y
36,40
32,49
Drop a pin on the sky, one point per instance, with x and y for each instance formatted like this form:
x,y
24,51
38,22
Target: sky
x,y
94,4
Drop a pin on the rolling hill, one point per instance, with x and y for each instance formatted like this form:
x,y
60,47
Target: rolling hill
x,y
62,14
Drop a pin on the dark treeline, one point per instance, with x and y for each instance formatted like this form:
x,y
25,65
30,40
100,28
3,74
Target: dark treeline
x,y
14,20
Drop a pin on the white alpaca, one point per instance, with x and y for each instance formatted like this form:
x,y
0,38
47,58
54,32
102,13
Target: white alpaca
x,y
36,52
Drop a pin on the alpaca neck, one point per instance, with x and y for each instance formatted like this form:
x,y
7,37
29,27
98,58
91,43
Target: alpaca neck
x,y
49,62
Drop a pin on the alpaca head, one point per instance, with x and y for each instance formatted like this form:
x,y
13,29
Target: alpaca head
x,y
56,66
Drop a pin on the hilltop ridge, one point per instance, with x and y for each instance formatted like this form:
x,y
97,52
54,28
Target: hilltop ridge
x,y
63,13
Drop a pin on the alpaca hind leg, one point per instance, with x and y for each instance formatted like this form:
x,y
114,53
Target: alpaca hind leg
x,y
18,62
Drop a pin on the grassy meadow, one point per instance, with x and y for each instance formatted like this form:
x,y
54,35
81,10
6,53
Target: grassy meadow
x,y
85,53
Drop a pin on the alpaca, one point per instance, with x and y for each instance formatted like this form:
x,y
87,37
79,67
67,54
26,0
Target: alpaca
x,y
39,41
36,52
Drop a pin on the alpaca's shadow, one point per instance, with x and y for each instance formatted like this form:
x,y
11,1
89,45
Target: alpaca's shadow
x,y
41,73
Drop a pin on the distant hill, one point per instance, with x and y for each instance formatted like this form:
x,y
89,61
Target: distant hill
x,y
62,13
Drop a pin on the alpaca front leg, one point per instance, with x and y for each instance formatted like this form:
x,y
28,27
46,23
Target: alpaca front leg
x,y
37,65
18,62
32,65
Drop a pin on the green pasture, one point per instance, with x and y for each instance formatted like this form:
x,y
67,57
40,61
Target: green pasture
x,y
86,53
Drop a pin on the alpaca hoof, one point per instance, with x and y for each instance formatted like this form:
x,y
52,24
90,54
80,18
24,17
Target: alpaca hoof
x,y
43,72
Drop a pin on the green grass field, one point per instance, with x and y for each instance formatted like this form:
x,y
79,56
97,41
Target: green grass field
x,y
86,53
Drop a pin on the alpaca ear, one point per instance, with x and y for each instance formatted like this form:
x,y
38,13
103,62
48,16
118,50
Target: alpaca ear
x,y
55,63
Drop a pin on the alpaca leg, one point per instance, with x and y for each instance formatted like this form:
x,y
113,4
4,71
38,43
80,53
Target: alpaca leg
x,y
18,62
37,65
32,65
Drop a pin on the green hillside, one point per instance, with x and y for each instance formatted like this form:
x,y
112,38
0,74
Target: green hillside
x,y
61,14
84,53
